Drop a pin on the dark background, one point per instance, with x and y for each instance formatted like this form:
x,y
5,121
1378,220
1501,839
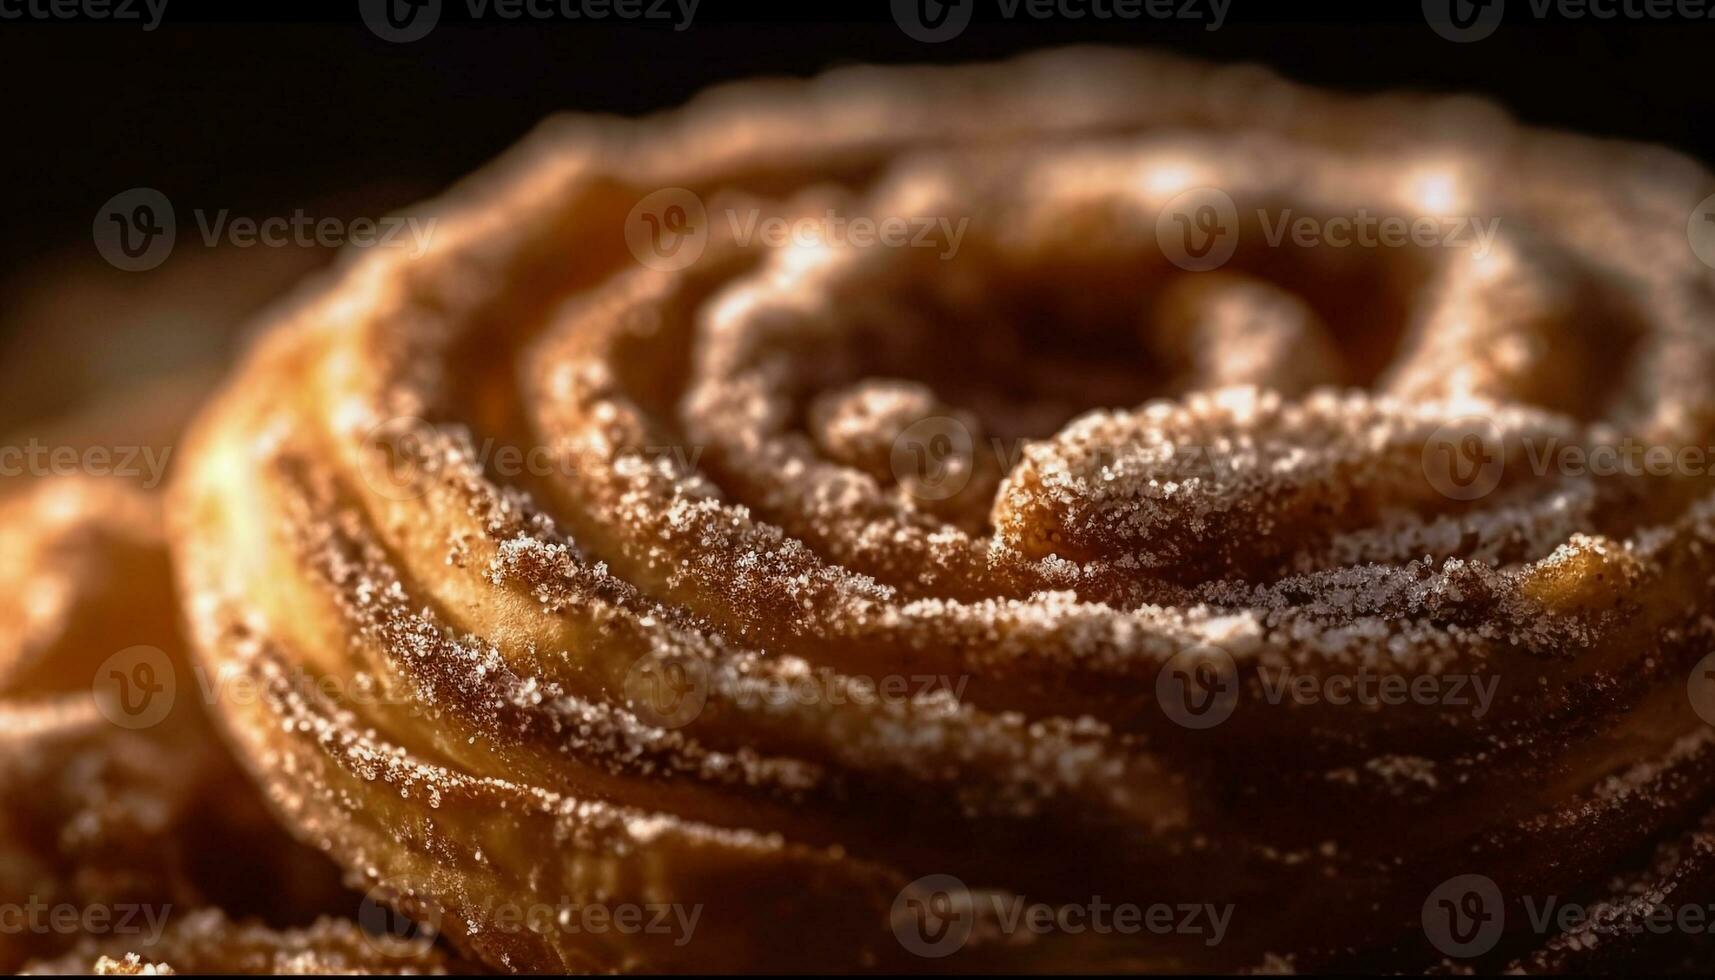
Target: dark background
x,y
264,106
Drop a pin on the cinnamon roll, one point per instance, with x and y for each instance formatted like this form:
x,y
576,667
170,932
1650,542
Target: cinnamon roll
x,y
848,524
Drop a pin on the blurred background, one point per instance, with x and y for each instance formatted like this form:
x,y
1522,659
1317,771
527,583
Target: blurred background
x,y
260,108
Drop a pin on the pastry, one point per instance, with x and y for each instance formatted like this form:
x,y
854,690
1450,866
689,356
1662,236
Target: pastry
x,y
858,523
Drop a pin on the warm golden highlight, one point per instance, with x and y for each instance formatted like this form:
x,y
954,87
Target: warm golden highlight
x,y
923,539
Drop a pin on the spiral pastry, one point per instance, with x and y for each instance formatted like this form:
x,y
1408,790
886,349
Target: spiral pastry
x,y
127,822
643,557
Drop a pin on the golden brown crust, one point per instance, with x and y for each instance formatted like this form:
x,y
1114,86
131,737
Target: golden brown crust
x,y
708,488
121,814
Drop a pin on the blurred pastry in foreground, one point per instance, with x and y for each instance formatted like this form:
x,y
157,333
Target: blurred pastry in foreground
x,y
125,827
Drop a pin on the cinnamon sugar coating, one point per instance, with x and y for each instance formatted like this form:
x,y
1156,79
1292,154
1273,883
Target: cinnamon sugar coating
x,y
1031,468
128,835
